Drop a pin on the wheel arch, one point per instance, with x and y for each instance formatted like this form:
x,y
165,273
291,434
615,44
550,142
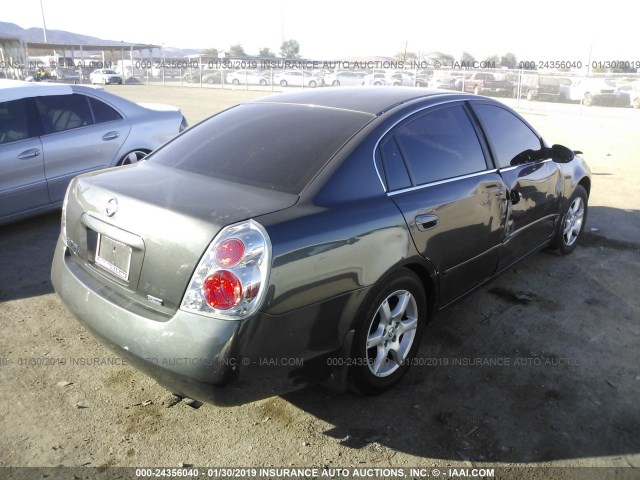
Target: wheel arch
x,y
585,183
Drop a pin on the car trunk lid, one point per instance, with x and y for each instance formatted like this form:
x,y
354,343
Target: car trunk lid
x,y
141,230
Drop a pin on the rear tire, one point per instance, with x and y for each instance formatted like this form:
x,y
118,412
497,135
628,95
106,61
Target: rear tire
x,y
389,327
572,222
132,157
587,100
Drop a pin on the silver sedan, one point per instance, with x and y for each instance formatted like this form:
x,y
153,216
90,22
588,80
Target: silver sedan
x,y
50,133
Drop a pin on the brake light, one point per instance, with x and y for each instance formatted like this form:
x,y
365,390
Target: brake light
x,y
231,278
222,290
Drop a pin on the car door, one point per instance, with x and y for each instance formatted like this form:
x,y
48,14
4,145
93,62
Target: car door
x,y
23,185
451,199
81,134
534,181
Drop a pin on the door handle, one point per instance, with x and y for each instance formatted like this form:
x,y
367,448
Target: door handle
x,y
27,154
426,222
110,136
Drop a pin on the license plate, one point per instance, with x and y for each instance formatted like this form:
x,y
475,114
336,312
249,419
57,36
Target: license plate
x,y
113,256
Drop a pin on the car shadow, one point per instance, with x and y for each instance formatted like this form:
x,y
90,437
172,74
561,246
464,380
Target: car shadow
x,y
26,253
539,365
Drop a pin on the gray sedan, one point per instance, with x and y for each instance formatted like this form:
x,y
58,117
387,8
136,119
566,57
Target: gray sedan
x,y
51,133
310,236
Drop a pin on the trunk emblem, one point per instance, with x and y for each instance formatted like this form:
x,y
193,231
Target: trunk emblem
x,y
111,207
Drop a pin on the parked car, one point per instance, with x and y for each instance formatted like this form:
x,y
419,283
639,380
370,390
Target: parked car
x,y
632,89
542,87
398,79
248,77
445,80
485,83
344,77
50,133
295,78
65,74
208,76
590,91
378,79
105,76
422,80
309,236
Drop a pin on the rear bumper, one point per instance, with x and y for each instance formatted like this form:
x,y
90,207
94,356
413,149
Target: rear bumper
x,y
215,361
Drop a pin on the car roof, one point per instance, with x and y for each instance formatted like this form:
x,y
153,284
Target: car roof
x,y
17,89
372,100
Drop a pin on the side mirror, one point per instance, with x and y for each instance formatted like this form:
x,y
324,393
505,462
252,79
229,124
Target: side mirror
x,y
561,154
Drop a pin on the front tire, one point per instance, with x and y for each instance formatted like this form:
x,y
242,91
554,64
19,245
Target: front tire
x,y
587,100
388,332
572,222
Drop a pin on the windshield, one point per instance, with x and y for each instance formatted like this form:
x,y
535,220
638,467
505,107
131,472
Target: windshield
x,y
273,146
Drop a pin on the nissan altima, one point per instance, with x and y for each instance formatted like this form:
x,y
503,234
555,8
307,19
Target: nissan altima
x,y
308,237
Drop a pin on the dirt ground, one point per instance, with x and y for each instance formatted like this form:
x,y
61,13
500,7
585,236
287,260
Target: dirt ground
x,y
539,368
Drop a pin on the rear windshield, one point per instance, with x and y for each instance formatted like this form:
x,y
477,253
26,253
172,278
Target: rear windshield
x,y
274,146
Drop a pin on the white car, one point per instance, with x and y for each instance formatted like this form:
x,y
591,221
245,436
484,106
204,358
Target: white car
x,y
297,78
596,90
248,77
50,133
398,79
633,90
105,76
378,79
344,77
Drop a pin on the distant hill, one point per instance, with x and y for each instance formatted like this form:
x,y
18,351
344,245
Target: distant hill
x,y
34,34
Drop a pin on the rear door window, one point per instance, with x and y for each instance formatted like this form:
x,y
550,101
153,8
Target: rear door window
x,y
440,144
103,112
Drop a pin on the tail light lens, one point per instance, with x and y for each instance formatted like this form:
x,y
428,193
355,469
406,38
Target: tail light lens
x,y
231,278
183,125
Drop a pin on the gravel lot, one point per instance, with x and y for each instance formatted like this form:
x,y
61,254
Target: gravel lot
x,y
539,368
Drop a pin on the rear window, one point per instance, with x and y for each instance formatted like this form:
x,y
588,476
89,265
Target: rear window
x,y
278,147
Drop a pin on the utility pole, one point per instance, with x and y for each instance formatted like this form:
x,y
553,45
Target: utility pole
x,y
44,24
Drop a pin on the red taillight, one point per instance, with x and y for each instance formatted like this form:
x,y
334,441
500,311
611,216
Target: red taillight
x,y
230,281
229,253
222,290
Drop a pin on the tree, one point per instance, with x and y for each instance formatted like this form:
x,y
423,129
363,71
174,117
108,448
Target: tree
x,y
508,60
212,52
493,59
406,56
237,50
444,59
266,52
467,58
290,49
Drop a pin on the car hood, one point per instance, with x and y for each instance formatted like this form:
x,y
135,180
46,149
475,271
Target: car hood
x,y
168,217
